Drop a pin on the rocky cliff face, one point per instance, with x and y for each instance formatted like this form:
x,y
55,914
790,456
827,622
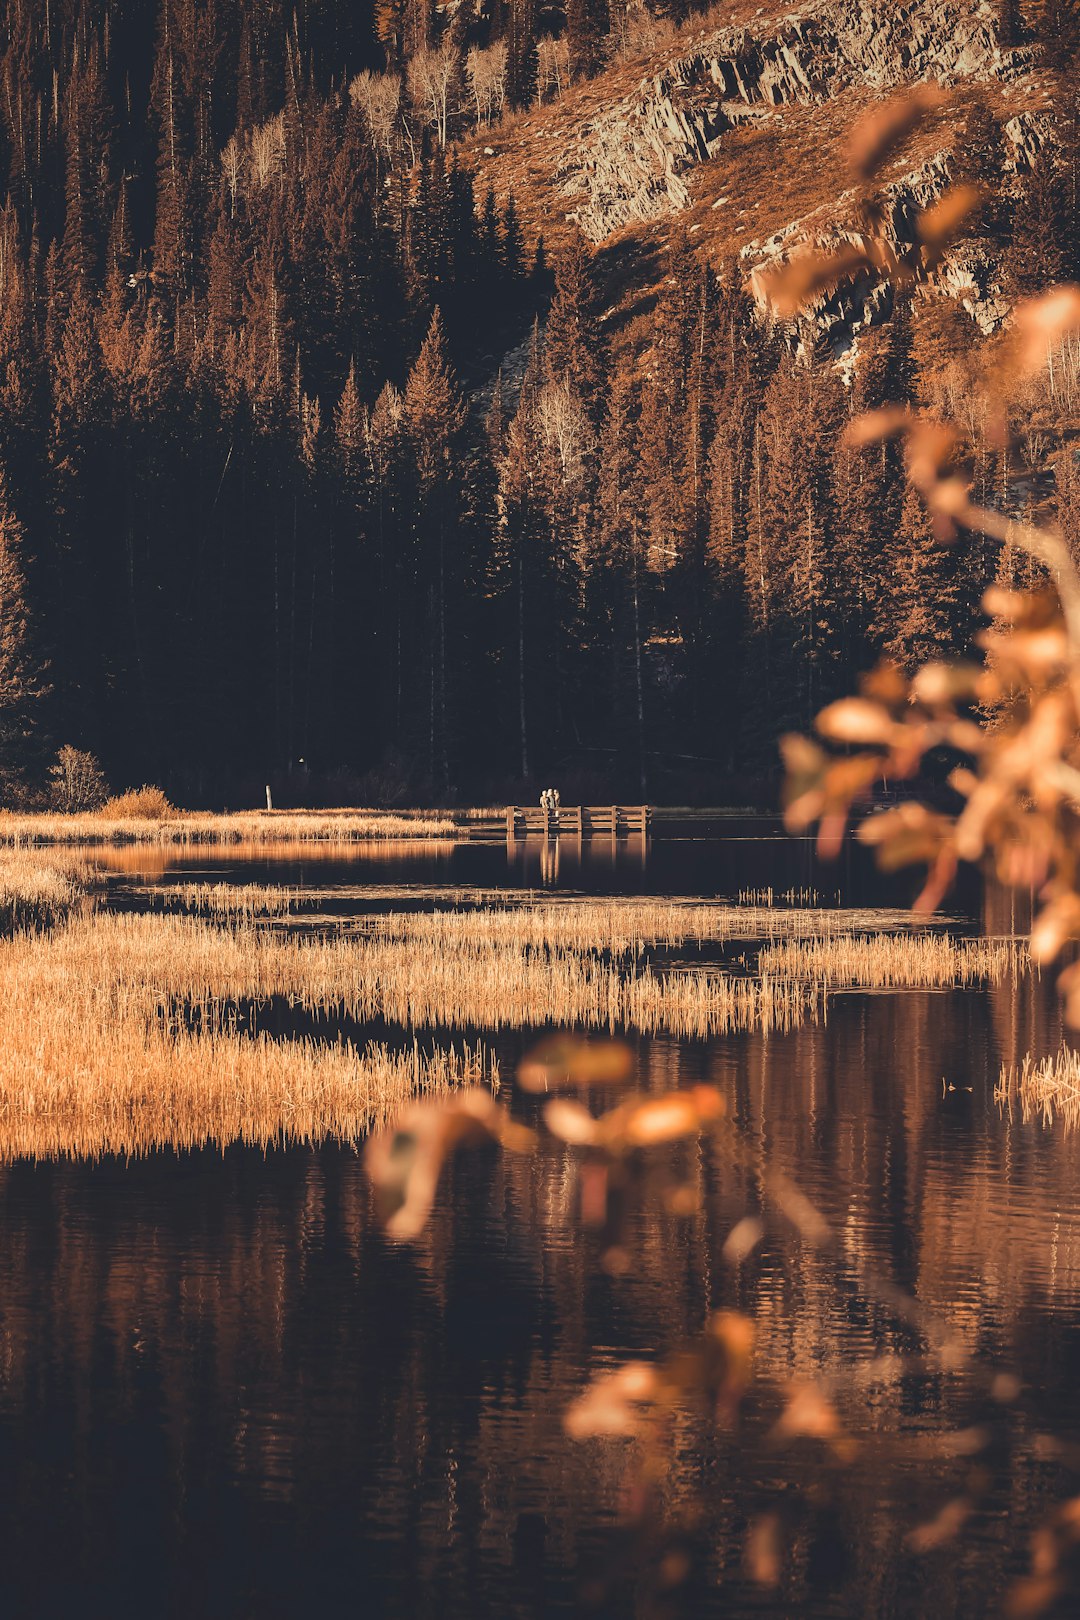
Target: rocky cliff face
x,y
735,127
635,155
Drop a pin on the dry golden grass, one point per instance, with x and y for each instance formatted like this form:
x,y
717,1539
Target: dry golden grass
x,y
623,927
33,893
174,963
618,926
257,828
783,897
118,1033
1044,1090
882,961
91,1062
241,900
251,900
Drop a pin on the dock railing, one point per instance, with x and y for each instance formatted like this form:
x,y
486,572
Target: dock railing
x,y
578,821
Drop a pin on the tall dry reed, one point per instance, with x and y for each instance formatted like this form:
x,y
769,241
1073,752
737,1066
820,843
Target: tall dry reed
x,y
172,963
256,827
91,1062
1046,1090
619,926
882,961
251,900
36,893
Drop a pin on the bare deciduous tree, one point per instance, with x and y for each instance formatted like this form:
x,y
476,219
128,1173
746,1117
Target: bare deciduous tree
x,y
378,96
565,429
233,159
486,73
553,68
77,781
432,80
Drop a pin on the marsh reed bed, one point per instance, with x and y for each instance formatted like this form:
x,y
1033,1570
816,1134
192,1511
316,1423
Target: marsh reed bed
x,y
410,980
125,1032
1047,1089
99,1052
884,961
485,916
269,900
259,828
91,1060
36,893
620,927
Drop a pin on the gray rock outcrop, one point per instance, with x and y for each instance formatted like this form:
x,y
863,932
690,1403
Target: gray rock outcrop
x,y
631,161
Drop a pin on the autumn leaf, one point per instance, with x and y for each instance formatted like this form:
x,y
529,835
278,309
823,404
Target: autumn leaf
x,y
881,133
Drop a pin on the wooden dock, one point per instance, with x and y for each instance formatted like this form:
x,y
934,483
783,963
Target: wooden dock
x,y
578,821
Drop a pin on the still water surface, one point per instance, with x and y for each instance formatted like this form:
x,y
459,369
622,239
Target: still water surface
x,y
222,1392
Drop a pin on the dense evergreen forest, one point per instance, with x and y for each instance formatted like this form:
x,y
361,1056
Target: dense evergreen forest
x,y
314,469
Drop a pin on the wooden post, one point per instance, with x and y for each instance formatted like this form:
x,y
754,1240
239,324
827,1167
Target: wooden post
x,y
511,821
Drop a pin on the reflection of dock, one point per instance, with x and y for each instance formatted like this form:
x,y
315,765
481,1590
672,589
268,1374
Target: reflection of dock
x,y
578,821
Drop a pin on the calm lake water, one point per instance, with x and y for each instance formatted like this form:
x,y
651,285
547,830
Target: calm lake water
x,y
223,1392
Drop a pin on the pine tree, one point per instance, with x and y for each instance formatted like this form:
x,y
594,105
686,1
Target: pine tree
x,y
573,344
22,687
921,597
521,57
795,527
980,157
621,597
1068,167
1057,31
171,221
1036,257
587,23
512,244
433,417
349,429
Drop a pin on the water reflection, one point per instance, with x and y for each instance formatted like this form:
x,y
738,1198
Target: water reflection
x,y
226,1346
222,1392
750,853
565,861
148,861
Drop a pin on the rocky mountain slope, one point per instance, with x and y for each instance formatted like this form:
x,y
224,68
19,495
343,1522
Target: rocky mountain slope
x,y
736,129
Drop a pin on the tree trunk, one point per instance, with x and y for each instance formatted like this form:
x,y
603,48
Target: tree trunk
x,y
521,668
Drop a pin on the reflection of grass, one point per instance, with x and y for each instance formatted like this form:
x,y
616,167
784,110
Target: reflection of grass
x,y
882,960
1044,1089
33,893
256,827
154,860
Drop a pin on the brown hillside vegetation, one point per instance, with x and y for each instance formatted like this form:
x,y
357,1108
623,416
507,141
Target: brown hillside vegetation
x,y
777,174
